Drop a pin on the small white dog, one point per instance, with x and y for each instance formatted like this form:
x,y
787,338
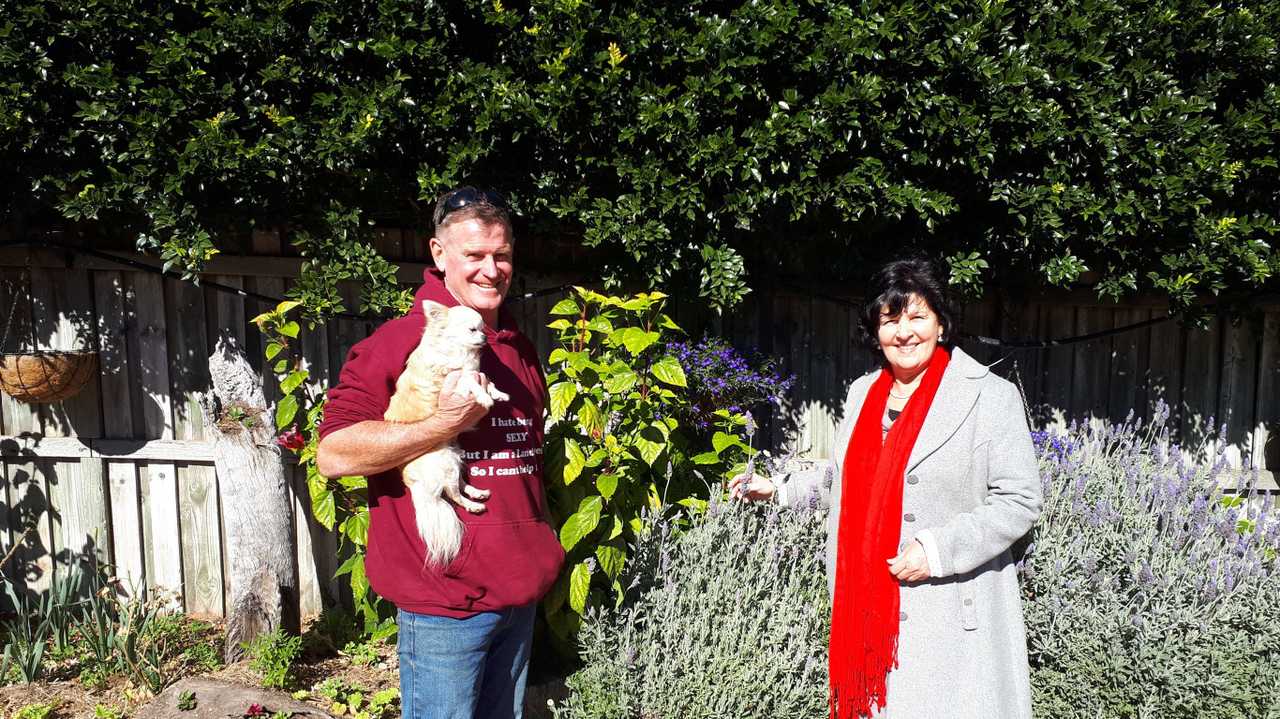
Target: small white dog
x,y
451,340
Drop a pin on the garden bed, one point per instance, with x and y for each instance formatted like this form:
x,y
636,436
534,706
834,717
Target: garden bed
x,y
319,676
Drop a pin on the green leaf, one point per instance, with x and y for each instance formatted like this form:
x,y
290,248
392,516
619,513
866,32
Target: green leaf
x,y
273,349
636,340
597,457
324,507
356,527
650,444
293,381
280,366
721,440
607,484
611,560
668,370
706,458
286,409
359,582
601,324
694,503
620,382
574,460
567,307
560,324
579,585
290,329
590,419
581,523
561,395
616,531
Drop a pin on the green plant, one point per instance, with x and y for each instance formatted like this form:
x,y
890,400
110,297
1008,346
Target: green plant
x,y
1137,140
272,655
354,701
361,653
143,642
332,630
727,617
186,700
106,711
41,710
60,606
615,446
203,656
99,625
343,502
332,689
26,638
93,675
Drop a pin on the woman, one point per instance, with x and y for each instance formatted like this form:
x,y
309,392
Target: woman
x,y
934,479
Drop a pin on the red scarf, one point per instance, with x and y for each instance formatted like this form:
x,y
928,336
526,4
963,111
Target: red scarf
x,y
864,613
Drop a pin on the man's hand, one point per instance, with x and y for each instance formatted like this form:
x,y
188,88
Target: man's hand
x,y
752,487
457,410
911,564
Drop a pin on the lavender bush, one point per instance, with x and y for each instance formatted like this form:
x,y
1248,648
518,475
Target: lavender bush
x,y
1149,592
726,619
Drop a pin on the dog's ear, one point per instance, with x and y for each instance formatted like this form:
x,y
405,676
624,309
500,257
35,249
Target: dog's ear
x,y
436,313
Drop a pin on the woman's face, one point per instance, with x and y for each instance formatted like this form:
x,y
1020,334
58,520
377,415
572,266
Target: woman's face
x,y
909,339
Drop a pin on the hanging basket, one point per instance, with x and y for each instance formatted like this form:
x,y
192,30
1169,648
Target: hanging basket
x,y
46,376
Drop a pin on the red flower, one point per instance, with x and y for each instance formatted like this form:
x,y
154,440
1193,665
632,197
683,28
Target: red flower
x,y
255,710
291,440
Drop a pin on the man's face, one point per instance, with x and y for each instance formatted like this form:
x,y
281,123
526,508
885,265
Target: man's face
x,y
475,257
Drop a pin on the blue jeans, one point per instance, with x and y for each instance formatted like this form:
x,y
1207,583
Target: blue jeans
x,y
471,668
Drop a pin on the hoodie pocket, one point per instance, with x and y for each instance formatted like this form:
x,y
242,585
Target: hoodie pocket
x,y
505,564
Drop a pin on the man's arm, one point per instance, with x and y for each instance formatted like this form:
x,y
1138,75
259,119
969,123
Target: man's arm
x,y
372,446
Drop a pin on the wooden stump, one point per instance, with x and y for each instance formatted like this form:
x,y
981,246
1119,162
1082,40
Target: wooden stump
x,y
261,566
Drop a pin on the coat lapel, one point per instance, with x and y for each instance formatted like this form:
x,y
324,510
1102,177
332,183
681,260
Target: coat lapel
x,y
957,394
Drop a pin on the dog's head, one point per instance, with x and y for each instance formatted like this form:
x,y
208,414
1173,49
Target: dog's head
x,y
459,325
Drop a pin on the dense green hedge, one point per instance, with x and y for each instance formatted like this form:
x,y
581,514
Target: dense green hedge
x,y
691,143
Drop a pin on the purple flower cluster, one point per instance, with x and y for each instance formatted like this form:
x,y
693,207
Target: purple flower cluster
x,y
721,377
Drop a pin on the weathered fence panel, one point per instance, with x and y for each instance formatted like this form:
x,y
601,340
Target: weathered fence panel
x,y
122,472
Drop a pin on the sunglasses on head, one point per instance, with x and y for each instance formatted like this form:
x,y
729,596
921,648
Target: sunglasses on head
x,y
466,196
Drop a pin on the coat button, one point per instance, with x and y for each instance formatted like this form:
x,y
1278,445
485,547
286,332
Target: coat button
x,y
909,517
912,479
902,616
968,602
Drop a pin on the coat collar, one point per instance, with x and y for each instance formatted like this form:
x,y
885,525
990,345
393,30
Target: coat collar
x,y
957,394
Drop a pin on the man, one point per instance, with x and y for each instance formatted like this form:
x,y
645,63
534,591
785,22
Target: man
x,y
465,629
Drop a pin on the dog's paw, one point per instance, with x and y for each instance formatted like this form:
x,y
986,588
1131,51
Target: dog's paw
x,y
498,395
476,492
473,507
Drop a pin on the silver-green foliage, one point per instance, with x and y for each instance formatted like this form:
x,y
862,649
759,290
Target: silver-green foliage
x,y
1148,591
729,617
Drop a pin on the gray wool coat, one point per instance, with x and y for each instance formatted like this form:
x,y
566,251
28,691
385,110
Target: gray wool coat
x,y
971,489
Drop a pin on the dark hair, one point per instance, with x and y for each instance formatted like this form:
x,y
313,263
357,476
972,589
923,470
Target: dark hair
x,y
892,287
470,203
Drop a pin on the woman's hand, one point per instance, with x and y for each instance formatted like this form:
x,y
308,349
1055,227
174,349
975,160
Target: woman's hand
x,y
752,487
911,564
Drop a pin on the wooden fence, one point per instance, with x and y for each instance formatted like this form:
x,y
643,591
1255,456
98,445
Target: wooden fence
x,y
122,471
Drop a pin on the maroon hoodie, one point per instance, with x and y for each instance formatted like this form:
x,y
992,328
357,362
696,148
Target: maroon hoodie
x,y
510,556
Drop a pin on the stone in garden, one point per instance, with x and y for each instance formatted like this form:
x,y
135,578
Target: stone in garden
x,y
219,700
